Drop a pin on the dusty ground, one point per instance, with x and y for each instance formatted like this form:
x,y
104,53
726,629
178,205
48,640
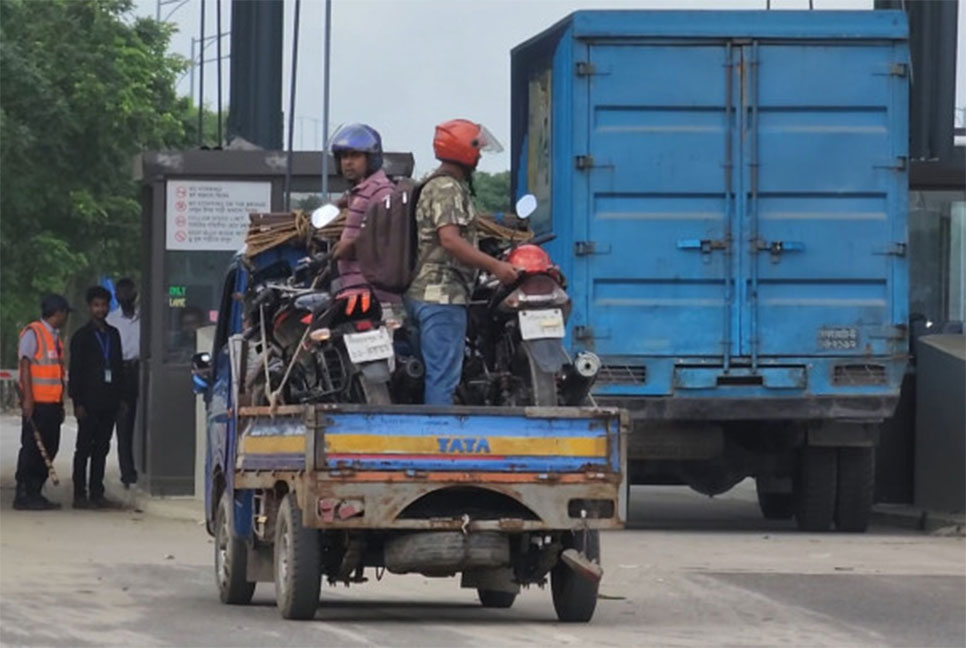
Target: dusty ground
x,y
690,571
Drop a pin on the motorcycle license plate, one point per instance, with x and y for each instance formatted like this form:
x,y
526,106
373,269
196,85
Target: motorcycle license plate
x,y
540,324
369,346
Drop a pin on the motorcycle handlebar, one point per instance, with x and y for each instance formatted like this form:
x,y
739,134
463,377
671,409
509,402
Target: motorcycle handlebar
x,y
543,238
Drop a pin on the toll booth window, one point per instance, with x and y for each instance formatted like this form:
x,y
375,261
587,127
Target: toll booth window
x,y
193,282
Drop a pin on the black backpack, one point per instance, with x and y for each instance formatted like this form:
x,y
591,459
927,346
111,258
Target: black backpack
x,y
387,246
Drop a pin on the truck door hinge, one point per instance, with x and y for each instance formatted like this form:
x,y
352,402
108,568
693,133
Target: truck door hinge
x,y
899,70
585,68
893,249
583,332
583,162
584,248
901,163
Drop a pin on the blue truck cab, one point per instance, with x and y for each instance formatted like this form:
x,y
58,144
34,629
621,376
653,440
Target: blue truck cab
x,y
303,492
729,195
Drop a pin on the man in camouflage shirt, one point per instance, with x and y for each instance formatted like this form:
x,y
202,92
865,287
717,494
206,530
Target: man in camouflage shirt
x,y
448,256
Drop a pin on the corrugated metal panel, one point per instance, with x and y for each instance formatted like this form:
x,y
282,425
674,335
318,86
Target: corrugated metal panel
x,y
726,186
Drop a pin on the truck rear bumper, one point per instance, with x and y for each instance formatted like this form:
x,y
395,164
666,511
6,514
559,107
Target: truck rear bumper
x,y
866,408
463,502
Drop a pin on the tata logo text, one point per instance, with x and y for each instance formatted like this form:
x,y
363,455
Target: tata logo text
x,y
463,445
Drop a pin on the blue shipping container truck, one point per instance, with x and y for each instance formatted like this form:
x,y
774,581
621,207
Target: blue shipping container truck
x,y
729,195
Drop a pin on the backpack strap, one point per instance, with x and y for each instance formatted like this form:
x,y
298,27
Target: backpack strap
x,y
417,191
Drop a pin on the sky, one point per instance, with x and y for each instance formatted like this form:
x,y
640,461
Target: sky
x,y
403,66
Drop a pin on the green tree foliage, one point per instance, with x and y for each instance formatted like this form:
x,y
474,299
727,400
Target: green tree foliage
x,y
86,87
492,191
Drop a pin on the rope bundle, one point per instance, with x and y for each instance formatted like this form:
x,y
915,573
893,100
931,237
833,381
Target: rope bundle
x,y
266,231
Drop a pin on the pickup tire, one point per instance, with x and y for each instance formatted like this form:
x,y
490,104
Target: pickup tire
x,y
575,596
775,506
815,488
298,563
856,488
230,558
496,599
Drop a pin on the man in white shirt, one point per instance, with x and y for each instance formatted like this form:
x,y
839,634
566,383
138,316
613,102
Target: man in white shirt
x,y
127,320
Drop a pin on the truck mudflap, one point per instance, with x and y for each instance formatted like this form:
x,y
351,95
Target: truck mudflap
x,y
456,468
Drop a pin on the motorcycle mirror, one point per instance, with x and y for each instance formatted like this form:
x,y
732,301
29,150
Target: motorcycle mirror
x,y
526,206
324,215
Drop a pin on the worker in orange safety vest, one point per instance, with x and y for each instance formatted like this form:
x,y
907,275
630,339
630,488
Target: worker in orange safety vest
x,y
41,365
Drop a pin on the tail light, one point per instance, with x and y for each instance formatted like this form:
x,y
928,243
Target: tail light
x,y
531,258
363,325
536,290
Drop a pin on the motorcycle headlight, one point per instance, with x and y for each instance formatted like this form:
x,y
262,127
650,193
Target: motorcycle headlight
x,y
320,334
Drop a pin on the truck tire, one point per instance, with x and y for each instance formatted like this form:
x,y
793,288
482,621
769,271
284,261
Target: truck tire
x,y
856,487
230,559
496,599
815,488
775,506
575,596
298,563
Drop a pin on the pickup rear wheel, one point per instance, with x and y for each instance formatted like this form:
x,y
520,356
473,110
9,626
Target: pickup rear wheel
x,y
230,559
495,598
574,595
298,563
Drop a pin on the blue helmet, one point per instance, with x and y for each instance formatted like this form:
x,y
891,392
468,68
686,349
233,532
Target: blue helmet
x,y
358,137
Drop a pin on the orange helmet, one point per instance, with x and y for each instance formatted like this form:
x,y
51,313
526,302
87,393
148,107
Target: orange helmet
x,y
461,141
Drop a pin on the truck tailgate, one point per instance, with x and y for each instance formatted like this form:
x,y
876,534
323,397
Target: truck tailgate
x,y
542,440
398,467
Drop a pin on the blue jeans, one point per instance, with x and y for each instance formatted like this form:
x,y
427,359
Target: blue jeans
x,y
441,340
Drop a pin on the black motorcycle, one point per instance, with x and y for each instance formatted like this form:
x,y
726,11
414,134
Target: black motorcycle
x,y
515,353
316,341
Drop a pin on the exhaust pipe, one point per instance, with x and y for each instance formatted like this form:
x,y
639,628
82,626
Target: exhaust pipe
x,y
579,378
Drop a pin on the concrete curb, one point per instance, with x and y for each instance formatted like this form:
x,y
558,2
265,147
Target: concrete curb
x,y
908,517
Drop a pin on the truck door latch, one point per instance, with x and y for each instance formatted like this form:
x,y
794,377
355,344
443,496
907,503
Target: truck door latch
x,y
777,248
705,246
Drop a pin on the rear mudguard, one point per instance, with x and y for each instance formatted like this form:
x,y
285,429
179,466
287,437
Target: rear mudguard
x,y
547,354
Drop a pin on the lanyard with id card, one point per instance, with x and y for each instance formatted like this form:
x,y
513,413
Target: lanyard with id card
x,y
105,344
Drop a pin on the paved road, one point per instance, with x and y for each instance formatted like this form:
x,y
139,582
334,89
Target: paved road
x,y
691,571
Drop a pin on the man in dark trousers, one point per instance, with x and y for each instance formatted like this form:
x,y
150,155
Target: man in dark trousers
x,y
41,366
127,320
95,388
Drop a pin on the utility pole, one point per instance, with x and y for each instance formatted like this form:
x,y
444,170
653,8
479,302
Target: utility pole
x,y
325,103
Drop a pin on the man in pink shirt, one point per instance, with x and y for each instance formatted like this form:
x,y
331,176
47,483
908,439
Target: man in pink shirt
x,y
358,154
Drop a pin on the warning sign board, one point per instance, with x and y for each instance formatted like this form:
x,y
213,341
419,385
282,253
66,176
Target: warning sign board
x,y
212,214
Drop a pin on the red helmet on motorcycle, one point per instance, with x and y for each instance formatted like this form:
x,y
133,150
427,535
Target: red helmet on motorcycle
x,y
532,258
461,141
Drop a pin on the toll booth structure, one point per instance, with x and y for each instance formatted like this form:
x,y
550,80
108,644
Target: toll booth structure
x,y
195,206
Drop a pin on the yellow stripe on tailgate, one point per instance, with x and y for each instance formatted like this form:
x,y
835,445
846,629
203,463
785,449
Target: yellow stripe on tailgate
x,y
278,444
522,446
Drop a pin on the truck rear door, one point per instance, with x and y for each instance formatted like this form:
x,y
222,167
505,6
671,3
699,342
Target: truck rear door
x,y
660,180
745,199
823,158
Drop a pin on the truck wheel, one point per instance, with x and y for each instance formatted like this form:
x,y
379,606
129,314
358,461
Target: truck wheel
x,y
496,599
575,596
298,563
856,486
775,506
815,488
230,559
